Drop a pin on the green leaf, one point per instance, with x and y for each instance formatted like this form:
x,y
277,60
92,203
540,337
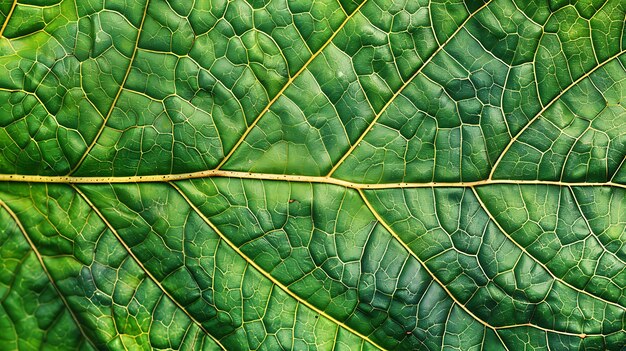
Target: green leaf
x,y
312,175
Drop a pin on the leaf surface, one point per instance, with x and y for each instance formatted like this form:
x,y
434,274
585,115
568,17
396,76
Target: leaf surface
x,y
331,175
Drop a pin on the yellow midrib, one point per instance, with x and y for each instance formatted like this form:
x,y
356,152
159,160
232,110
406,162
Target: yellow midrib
x,y
286,178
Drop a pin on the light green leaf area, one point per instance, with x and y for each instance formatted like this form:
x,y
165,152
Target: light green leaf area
x,y
312,175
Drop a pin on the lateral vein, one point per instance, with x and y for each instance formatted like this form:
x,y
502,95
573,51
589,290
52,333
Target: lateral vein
x,y
45,269
117,95
541,264
282,90
6,20
397,93
546,107
136,259
266,274
380,220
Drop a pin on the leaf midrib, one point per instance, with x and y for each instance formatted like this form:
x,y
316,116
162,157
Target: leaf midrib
x,y
165,178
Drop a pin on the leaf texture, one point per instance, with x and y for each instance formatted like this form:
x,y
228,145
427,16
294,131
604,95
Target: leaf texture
x,y
312,175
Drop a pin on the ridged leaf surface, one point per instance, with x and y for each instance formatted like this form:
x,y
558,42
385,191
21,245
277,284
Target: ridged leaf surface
x,y
312,175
